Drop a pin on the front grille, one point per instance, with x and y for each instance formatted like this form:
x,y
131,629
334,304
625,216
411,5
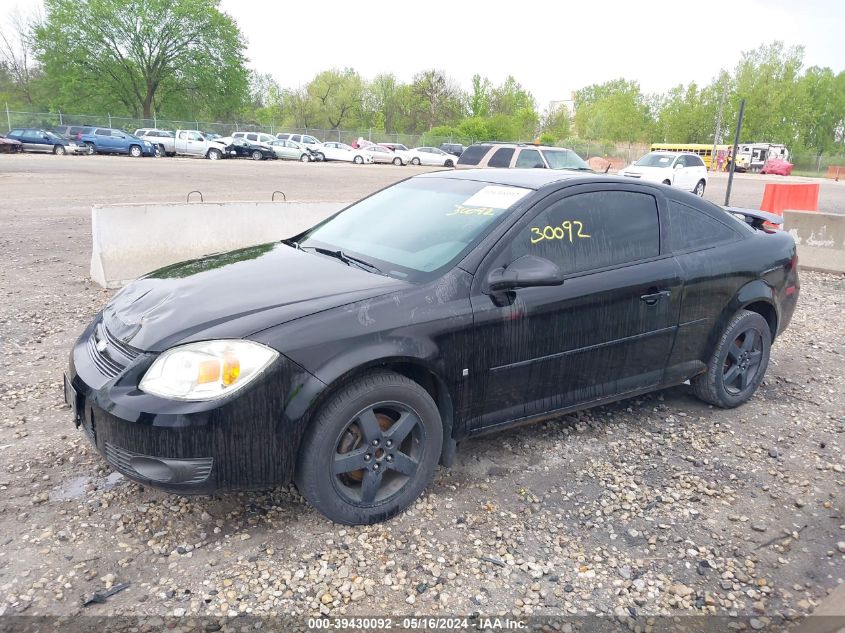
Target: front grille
x,y
199,468
115,357
106,365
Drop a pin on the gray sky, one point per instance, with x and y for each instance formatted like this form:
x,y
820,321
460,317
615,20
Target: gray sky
x,y
659,43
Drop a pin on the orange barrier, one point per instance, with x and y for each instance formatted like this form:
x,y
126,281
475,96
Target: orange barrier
x,y
834,172
801,197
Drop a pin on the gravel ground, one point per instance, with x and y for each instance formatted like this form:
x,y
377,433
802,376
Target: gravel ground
x,y
658,505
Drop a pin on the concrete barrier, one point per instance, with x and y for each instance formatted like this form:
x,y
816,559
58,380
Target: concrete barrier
x,y
131,240
820,238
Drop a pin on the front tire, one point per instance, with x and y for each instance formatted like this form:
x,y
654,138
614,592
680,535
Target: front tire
x,y
91,149
738,363
305,158
256,155
59,150
449,163
214,154
699,189
135,151
371,451
415,161
320,157
358,160
397,161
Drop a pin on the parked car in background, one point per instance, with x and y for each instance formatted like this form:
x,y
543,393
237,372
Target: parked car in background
x,y
239,147
70,132
456,149
297,360
431,156
193,143
103,140
254,137
10,145
334,150
302,139
292,151
40,140
520,156
381,154
211,136
399,150
165,139
684,171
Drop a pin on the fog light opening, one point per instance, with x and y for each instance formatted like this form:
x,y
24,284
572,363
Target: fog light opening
x,y
152,469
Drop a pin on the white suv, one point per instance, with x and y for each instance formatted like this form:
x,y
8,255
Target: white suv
x,y
684,171
255,137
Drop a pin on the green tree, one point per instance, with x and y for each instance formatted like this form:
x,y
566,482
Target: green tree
x,y
338,95
556,124
613,111
480,97
821,96
439,95
767,78
143,54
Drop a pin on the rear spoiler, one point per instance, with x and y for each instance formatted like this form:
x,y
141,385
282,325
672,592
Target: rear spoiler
x,y
755,217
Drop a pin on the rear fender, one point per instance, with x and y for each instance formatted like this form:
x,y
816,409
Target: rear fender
x,y
757,291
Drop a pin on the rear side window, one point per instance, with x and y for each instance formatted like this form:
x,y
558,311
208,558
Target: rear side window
x,y
102,132
501,157
690,228
473,154
593,230
694,161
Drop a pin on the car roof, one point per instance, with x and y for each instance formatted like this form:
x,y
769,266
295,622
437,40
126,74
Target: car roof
x,y
528,178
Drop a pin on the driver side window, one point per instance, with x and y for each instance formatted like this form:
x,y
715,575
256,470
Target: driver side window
x,y
592,230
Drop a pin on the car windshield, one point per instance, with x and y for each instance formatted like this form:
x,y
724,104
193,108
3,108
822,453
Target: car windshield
x,y
656,160
417,228
564,159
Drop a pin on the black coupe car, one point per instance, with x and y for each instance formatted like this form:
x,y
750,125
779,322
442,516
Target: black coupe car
x,y
242,148
352,358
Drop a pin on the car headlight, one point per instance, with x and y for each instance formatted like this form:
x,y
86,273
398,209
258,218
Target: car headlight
x,y
206,370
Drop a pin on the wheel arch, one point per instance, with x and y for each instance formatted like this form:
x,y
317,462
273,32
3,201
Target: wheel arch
x,y
755,296
412,368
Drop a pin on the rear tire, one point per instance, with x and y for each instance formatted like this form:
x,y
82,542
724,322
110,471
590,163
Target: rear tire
x,y
59,150
415,161
320,157
358,160
738,363
449,163
667,182
371,451
91,149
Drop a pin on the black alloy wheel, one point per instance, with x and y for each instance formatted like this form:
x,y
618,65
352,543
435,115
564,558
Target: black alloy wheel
x,y
372,449
738,363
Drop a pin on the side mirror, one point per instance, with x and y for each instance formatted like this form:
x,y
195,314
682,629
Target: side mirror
x,y
526,272
678,166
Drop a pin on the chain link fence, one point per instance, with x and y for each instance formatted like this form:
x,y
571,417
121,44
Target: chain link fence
x,y
621,152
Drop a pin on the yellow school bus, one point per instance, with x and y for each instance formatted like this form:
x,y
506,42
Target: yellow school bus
x,y
700,149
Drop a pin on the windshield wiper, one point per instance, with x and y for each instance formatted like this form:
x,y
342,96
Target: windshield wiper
x,y
346,259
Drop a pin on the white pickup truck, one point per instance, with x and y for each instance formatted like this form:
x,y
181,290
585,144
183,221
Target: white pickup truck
x,y
193,143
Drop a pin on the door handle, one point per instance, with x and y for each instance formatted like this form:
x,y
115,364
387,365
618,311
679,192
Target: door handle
x,y
654,297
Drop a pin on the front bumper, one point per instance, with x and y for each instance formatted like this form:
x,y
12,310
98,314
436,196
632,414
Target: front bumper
x,y
246,441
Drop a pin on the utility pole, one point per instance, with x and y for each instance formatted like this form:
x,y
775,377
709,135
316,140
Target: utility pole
x,y
733,153
718,136
8,118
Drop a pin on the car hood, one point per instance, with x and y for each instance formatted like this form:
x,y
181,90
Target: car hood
x,y
644,170
235,294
